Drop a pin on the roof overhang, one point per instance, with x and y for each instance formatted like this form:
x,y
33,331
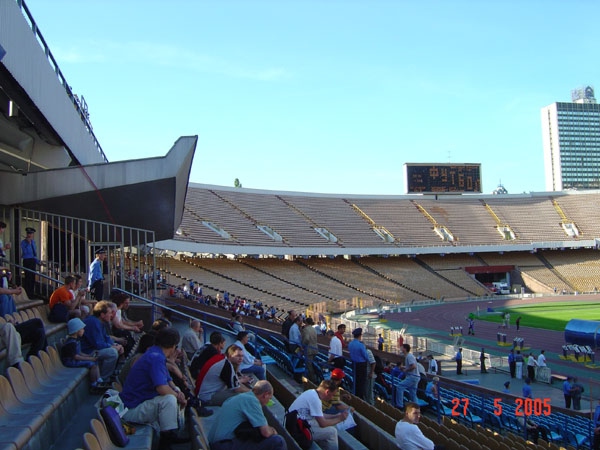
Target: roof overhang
x,y
146,193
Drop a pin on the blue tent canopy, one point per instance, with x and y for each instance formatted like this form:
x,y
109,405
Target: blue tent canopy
x,y
583,332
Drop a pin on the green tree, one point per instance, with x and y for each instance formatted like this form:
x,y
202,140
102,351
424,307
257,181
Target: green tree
x,y
236,183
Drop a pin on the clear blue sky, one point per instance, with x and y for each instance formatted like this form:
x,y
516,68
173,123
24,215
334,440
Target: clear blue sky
x,y
325,96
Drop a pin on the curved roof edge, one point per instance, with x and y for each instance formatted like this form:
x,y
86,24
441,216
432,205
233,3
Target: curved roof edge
x,y
144,193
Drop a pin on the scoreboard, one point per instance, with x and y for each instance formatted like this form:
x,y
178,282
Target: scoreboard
x,y
440,178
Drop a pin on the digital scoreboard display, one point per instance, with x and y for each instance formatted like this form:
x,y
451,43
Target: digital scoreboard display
x,y
440,178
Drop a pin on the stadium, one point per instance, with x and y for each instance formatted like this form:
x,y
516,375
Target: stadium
x,y
412,268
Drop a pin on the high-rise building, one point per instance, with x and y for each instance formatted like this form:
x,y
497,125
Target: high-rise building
x,y
571,135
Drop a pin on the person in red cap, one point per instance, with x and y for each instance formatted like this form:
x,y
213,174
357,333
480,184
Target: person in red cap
x,y
336,405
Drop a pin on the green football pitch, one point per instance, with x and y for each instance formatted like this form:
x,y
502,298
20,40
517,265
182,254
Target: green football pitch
x,y
549,316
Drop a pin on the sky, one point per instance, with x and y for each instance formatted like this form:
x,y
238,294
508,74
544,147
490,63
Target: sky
x,y
325,96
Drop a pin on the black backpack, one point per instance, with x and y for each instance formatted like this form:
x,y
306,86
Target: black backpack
x,y
195,362
299,429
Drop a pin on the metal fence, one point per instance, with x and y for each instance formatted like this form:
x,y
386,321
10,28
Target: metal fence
x,y
67,245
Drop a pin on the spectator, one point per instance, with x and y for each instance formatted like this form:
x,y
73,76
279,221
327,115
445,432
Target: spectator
x,y
242,408
237,324
411,380
309,407
97,341
309,342
71,355
433,365
287,323
149,393
531,365
96,275
336,404
7,302
250,364
519,360
534,431
191,341
113,331
506,389
369,395
541,361
122,327
13,335
379,371
341,329
85,305
360,359
482,359
214,347
408,434
296,335
431,391
576,393
512,363
380,342
527,389
458,358
63,305
568,391
222,379
146,341
335,351
323,327
30,260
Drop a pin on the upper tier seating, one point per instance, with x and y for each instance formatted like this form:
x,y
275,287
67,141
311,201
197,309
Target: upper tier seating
x,y
352,219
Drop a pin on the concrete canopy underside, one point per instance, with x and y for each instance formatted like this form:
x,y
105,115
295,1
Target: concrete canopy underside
x,y
146,193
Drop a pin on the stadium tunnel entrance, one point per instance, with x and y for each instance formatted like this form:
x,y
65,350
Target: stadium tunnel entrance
x,y
496,278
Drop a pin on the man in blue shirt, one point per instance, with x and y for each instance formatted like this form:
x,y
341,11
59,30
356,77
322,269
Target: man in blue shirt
x,y
512,363
96,275
241,408
30,260
360,359
568,391
96,339
527,389
149,392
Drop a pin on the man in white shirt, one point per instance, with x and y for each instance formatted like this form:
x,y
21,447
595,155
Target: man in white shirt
x,y
222,381
310,408
250,364
335,351
541,362
191,342
531,365
433,365
408,434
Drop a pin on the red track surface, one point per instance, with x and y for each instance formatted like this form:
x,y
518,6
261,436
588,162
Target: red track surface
x,y
441,317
